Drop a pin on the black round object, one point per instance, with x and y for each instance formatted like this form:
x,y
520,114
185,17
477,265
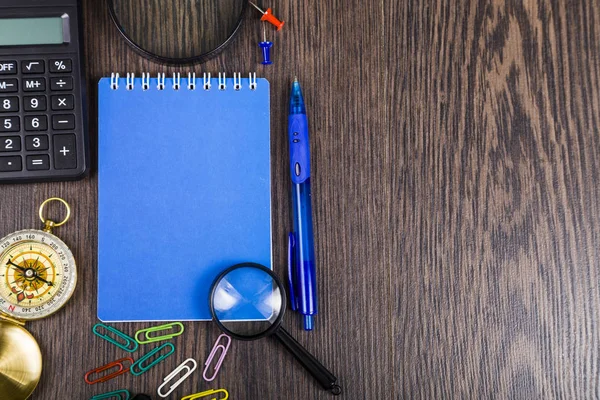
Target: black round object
x,y
275,296
248,301
178,32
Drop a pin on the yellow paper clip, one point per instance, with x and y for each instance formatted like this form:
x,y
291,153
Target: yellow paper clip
x,y
176,371
166,327
206,394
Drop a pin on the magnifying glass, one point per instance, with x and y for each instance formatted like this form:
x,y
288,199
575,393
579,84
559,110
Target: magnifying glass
x,y
178,31
247,301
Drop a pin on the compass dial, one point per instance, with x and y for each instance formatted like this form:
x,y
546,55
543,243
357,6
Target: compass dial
x,y
37,274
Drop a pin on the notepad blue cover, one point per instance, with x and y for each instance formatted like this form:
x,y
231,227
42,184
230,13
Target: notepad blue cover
x,y
183,193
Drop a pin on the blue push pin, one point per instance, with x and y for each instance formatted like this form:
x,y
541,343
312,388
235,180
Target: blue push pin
x,y
266,49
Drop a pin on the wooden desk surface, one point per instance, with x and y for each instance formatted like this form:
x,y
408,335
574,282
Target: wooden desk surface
x,y
456,151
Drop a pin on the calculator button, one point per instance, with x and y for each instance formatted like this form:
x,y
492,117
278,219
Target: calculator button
x,y
34,103
63,122
37,142
10,143
8,164
8,67
9,85
65,154
64,102
9,104
59,66
32,66
36,123
65,83
34,85
9,124
39,162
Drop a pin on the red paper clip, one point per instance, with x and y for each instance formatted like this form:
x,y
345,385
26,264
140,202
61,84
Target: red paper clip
x,y
119,363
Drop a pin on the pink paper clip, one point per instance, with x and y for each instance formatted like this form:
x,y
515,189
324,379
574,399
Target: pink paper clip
x,y
217,346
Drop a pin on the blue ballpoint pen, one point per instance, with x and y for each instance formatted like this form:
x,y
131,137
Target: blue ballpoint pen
x,y
301,253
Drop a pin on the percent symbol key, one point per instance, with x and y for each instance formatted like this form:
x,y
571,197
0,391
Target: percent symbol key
x,y
61,66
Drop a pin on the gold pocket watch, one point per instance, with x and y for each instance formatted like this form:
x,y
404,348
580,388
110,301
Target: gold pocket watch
x,y
37,277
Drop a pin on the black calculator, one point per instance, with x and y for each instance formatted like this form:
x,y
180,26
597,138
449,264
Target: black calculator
x,y
43,123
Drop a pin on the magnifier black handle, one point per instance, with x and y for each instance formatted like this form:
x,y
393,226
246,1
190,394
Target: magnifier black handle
x,y
312,365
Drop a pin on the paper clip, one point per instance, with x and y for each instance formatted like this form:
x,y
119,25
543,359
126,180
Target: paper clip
x,y
119,363
140,363
181,367
206,394
130,345
217,346
151,339
113,395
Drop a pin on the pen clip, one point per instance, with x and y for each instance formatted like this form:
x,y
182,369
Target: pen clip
x,y
292,270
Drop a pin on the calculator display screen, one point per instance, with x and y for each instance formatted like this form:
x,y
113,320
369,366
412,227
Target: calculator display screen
x,y
31,31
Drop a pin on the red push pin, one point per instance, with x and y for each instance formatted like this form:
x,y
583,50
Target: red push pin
x,y
269,17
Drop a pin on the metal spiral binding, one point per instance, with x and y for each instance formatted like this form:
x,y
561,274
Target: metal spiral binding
x,y
176,81
114,81
130,80
206,81
222,85
145,81
237,81
191,81
161,81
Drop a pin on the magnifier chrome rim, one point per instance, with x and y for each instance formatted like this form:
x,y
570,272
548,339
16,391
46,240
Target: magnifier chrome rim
x,y
199,59
275,324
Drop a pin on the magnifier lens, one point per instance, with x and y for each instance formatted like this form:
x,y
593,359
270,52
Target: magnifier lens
x,y
247,301
178,29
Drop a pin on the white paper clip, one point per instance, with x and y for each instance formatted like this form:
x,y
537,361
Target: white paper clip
x,y
161,81
114,81
206,81
181,367
213,352
130,78
176,80
222,85
191,81
145,80
252,81
237,81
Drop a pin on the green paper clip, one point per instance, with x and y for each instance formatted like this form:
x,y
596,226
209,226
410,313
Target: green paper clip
x,y
151,339
128,341
113,395
139,363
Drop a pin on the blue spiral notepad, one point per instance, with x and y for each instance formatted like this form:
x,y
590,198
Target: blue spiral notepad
x,y
184,191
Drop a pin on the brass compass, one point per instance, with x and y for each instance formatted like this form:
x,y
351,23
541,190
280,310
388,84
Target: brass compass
x,y
37,277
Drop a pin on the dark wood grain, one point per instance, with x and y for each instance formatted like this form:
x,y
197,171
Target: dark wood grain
x,y
456,196
497,213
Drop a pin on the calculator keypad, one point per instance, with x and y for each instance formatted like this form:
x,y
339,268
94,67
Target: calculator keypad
x,y
39,116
